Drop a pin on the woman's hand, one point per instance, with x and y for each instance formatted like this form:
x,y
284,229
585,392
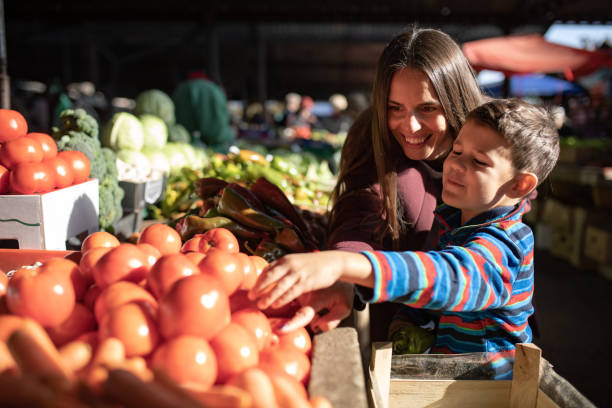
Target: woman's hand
x,y
324,309
296,274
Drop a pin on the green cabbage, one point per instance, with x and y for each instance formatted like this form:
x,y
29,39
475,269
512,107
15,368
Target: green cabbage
x,y
123,131
155,102
155,131
176,157
158,159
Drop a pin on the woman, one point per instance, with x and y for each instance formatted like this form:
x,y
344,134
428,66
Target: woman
x,y
389,180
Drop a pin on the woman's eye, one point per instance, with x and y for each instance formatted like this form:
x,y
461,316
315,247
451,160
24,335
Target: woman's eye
x,y
455,152
480,163
428,109
394,108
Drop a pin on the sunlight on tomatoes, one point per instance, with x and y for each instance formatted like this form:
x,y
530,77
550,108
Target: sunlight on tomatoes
x,y
187,360
256,323
298,338
235,349
80,321
99,239
196,305
118,294
169,269
78,162
12,125
61,172
192,244
89,260
162,237
133,324
220,238
285,360
122,263
30,178
47,144
21,150
225,266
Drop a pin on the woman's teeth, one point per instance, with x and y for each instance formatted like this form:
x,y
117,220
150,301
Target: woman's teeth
x,y
415,140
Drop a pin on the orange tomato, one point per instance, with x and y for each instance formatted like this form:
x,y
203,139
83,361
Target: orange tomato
x,y
298,338
220,238
21,150
4,180
289,392
79,282
257,266
47,144
123,262
43,294
80,321
89,260
12,125
8,324
196,305
133,324
196,257
225,266
167,270
3,282
151,253
78,162
235,349
99,239
192,244
162,237
89,300
60,172
285,360
187,360
118,294
257,383
30,178
256,323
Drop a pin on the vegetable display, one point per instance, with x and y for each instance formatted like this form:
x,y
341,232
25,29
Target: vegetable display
x,y
148,324
79,131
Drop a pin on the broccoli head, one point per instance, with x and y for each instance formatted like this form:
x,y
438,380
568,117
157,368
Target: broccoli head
x,y
90,147
110,196
110,159
76,120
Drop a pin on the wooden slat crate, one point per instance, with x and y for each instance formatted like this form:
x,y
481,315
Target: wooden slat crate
x,y
442,382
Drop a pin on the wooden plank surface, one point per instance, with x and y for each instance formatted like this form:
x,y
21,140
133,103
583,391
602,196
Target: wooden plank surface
x,y
526,376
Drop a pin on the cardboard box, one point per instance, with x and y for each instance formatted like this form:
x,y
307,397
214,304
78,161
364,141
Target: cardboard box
x,y
46,221
138,195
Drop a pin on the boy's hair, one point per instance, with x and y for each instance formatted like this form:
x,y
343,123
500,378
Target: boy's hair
x,y
529,129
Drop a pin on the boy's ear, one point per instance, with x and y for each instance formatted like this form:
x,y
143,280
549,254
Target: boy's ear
x,y
524,183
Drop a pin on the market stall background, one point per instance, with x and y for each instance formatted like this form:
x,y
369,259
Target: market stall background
x,y
260,51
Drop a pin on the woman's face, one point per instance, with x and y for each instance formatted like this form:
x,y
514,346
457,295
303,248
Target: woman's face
x,y
415,116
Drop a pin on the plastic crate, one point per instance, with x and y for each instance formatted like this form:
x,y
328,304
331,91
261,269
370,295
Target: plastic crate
x,y
14,258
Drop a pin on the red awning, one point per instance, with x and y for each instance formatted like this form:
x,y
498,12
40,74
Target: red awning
x,y
523,54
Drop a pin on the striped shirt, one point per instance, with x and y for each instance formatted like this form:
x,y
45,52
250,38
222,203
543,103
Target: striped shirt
x,y
479,281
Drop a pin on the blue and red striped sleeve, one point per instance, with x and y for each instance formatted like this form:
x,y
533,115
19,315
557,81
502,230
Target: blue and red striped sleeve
x,y
478,275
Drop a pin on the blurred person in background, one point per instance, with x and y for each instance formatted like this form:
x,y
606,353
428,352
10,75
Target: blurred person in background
x,y
338,121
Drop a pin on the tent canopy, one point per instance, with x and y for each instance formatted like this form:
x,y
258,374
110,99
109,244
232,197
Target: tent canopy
x,y
534,85
531,53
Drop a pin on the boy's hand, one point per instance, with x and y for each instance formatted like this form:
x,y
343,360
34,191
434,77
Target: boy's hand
x,y
336,301
296,274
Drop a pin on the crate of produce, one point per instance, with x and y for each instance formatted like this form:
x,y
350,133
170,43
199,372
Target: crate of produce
x,y
47,221
14,258
448,380
139,195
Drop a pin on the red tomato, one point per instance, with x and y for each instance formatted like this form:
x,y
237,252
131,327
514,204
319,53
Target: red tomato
x,y
187,360
235,349
151,253
220,238
249,270
120,293
89,259
89,300
79,163
12,125
62,173
162,237
167,270
225,266
3,282
71,269
298,339
196,257
134,325
123,262
240,300
259,264
80,321
285,360
4,180
21,150
30,178
99,239
196,305
258,384
43,294
192,244
8,324
48,145
256,323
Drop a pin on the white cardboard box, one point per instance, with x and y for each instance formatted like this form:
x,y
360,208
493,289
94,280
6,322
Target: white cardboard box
x,y
46,221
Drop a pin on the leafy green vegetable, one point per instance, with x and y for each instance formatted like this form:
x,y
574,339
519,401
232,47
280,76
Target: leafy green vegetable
x,y
123,131
178,133
77,120
155,131
155,102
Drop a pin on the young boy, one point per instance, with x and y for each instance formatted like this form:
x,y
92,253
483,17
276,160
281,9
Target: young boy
x,y
480,280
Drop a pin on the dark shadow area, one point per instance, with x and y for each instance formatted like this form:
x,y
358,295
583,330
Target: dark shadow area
x,y
573,308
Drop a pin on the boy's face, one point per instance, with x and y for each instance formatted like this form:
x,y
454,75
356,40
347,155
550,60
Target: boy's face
x,y
478,172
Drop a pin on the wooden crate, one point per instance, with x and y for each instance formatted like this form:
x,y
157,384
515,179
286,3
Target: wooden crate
x,y
598,244
534,385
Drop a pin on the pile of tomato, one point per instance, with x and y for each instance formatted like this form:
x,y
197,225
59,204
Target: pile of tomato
x,y
161,305
30,163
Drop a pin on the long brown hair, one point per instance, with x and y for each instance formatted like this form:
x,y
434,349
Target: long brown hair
x,y
438,56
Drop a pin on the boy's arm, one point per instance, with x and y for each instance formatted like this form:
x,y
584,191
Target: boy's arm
x,y
476,276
